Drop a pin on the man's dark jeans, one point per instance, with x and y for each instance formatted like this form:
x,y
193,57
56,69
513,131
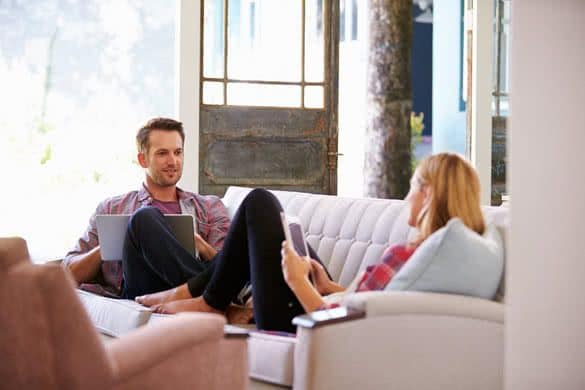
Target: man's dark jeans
x,y
153,259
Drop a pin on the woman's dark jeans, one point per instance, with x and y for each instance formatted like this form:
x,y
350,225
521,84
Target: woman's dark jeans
x,y
155,261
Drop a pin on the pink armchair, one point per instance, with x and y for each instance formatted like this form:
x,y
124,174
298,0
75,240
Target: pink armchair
x,y
47,340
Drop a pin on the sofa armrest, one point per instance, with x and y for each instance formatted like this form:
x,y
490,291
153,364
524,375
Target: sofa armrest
x,y
147,346
382,303
328,317
406,341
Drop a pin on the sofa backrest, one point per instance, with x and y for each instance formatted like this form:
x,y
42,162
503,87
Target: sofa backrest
x,y
351,233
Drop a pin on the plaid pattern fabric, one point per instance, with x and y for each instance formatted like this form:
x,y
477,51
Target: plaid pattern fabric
x,y
209,212
378,276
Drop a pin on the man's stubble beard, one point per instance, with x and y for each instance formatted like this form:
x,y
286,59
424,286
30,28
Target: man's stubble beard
x,y
161,181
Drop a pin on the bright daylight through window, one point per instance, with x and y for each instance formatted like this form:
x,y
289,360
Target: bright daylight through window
x,y
78,79
268,62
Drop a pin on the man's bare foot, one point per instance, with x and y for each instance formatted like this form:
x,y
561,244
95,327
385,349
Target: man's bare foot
x,y
194,304
174,294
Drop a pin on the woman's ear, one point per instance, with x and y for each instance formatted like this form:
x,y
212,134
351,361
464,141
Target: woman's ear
x,y
142,160
426,189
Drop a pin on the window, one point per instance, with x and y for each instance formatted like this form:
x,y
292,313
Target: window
x,y
78,79
354,20
501,60
263,53
348,16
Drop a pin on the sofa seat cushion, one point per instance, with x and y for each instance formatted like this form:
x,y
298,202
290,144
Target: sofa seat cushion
x,y
271,357
455,260
114,317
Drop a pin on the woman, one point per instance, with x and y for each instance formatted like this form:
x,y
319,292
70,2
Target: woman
x,y
444,186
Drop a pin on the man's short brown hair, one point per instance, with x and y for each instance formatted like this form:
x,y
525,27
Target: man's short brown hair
x,y
165,124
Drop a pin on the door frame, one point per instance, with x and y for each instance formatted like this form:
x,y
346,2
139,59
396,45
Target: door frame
x,y
479,21
188,79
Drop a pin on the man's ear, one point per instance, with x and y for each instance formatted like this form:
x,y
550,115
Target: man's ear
x,y
142,160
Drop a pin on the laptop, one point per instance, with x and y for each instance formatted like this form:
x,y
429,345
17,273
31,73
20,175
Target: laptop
x,y
111,231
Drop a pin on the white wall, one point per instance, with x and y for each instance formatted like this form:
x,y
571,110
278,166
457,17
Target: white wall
x,y
187,60
545,318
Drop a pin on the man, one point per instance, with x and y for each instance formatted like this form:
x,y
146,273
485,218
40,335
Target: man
x,y
153,259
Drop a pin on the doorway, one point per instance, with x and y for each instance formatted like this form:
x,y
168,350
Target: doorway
x,y
268,95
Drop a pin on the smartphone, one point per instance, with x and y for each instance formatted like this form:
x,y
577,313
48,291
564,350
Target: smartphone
x,y
294,235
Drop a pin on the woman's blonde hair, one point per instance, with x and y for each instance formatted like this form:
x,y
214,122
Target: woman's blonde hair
x,y
454,191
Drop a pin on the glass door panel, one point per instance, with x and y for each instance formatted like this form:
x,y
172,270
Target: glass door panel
x,y
263,40
213,33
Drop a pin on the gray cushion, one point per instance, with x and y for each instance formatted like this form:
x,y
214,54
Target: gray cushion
x,y
455,260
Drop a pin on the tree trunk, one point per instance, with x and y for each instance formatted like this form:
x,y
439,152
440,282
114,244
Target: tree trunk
x,y
387,165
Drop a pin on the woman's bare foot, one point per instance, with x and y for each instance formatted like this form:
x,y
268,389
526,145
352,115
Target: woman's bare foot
x,y
194,304
238,315
174,294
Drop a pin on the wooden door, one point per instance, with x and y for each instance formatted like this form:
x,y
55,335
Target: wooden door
x,y
269,81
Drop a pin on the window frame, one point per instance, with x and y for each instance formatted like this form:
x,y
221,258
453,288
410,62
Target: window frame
x,y
225,80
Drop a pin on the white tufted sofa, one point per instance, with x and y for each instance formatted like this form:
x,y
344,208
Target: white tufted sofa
x,y
407,340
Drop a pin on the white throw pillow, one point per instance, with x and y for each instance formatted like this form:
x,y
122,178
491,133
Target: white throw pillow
x,y
455,260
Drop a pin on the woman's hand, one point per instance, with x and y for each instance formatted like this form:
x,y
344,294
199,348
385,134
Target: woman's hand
x,y
294,268
320,278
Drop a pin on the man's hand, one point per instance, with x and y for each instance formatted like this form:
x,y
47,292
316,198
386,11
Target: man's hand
x,y
85,267
206,251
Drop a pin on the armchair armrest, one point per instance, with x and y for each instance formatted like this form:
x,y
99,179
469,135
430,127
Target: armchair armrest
x,y
235,332
147,346
407,340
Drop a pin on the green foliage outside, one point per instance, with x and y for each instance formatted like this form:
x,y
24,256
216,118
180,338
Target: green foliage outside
x,y
77,79
47,154
416,128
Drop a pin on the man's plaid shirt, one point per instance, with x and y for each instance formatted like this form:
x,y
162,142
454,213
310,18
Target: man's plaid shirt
x,y
208,211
